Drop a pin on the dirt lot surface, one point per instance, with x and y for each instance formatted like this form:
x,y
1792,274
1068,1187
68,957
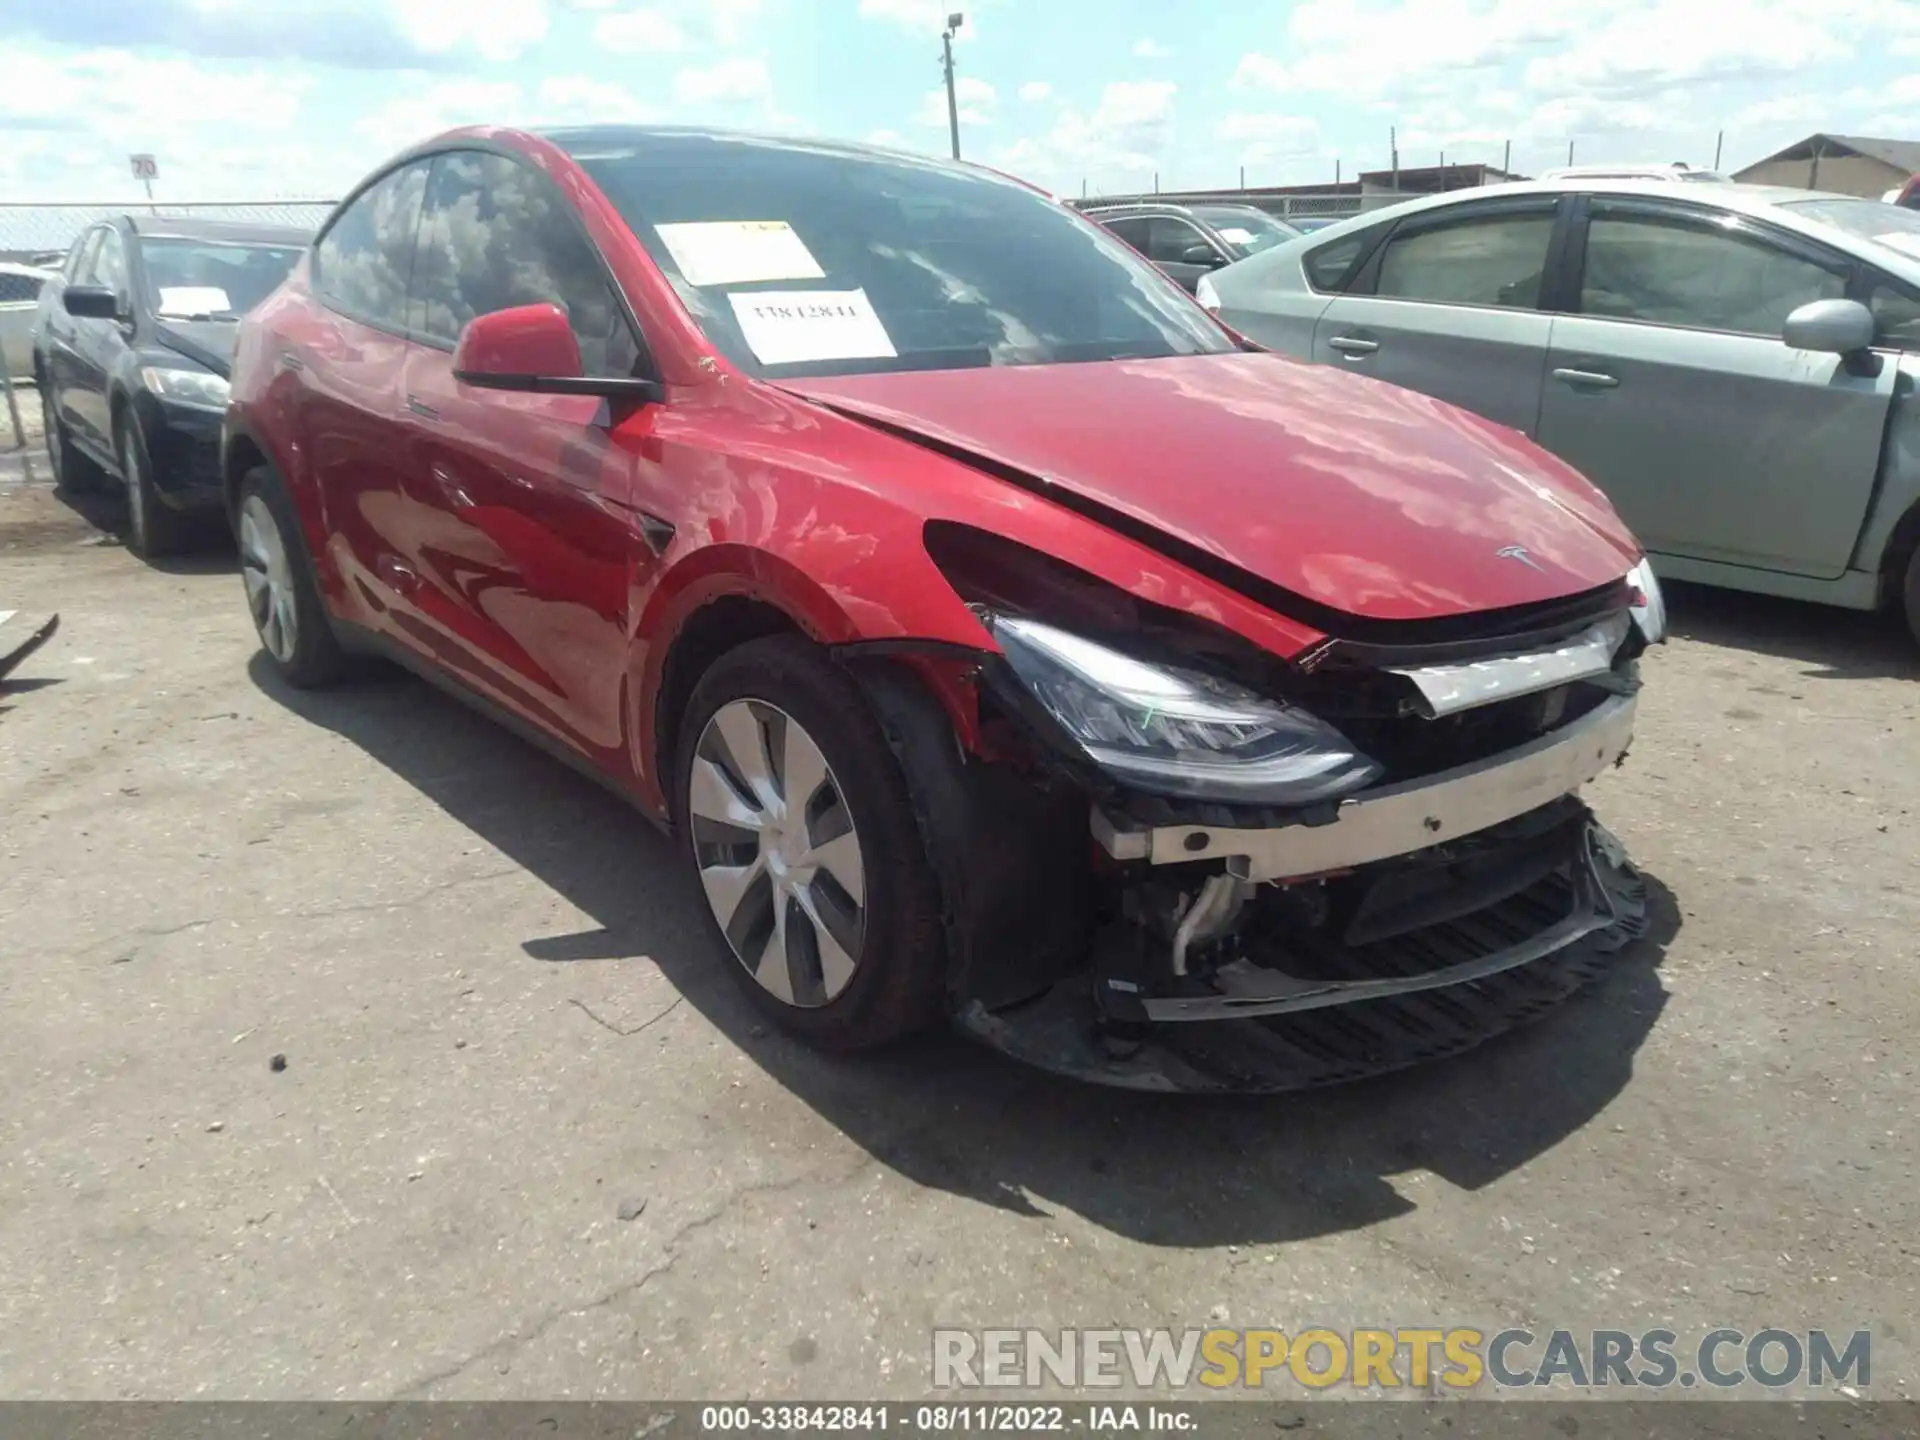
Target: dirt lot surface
x,y
504,1027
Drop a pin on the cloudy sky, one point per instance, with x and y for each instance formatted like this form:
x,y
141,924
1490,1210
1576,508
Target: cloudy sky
x,y
254,99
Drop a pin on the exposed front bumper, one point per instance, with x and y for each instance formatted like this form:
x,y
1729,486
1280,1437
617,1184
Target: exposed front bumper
x,y
1397,819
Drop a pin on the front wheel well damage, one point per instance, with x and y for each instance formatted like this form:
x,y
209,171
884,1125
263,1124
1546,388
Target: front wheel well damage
x,y
243,455
710,632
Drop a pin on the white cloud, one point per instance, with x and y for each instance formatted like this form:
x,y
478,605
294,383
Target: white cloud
x,y
425,113
892,139
738,78
975,99
1150,49
646,31
924,17
1128,134
1035,90
580,99
496,30
1265,137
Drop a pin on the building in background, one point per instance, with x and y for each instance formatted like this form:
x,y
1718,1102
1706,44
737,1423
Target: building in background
x,y
1847,164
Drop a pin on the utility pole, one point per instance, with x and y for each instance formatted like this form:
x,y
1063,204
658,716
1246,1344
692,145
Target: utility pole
x,y
1243,177
954,21
1393,145
1506,161
1718,141
1569,152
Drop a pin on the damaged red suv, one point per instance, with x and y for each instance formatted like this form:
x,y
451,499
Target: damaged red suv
x,y
1005,643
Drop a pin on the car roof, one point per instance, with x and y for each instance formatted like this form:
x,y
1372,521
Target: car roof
x,y
1746,199
171,227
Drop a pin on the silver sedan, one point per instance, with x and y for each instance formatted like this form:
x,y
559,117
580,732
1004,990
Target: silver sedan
x,y
1733,365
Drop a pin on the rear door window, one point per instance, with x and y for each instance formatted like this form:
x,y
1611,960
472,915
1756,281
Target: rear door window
x,y
496,234
1133,230
1496,259
16,288
362,262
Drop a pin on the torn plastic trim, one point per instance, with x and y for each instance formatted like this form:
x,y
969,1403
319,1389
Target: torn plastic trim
x,y
1398,819
1250,991
1448,689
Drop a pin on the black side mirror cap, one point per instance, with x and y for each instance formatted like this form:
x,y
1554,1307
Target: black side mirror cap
x,y
91,302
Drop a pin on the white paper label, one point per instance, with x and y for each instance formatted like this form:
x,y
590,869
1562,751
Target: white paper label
x,y
1904,241
1237,235
184,301
737,252
786,327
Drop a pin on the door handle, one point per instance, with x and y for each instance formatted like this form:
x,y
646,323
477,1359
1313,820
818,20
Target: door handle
x,y
422,409
1352,346
1593,379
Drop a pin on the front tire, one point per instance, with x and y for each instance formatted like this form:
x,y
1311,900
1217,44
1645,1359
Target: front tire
x,y
154,528
288,614
796,819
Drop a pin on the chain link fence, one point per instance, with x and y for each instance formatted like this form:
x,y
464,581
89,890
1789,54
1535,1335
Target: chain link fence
x,y
33,232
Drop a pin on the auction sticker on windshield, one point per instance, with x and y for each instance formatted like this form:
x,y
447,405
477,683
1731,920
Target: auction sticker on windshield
x,y
185,301
737,252
790,327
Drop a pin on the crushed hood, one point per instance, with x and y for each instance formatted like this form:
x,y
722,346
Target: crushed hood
x,y
1356,495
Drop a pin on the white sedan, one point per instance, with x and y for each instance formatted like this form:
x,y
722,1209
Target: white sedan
x,y
19,297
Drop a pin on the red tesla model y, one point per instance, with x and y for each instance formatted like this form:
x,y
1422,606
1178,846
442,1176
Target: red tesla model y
x,y
1006,643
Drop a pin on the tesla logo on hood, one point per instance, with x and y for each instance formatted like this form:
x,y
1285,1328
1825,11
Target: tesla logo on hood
x,y
1519,552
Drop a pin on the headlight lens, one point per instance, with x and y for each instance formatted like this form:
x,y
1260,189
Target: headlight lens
x,y
1207,295
198,388
1170,731
1649,607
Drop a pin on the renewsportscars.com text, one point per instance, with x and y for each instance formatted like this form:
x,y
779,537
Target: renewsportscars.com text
x,y
1451,1359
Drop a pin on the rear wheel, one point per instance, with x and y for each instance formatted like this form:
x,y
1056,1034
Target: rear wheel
x,y
797,821
285,603
154,528
1911,594
72,471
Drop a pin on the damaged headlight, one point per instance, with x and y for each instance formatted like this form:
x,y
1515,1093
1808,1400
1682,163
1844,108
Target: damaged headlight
x,y
1171,731
1648,607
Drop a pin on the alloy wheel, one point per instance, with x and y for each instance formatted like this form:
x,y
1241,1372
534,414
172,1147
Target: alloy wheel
x,y
269,579
778,854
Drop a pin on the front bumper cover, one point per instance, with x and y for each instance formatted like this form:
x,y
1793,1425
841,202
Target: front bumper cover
x,y
1392,820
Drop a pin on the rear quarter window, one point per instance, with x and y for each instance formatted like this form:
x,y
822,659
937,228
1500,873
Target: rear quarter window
x,y
1331,265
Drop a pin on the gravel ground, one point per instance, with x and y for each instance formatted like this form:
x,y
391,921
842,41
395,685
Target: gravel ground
x,y
504,1028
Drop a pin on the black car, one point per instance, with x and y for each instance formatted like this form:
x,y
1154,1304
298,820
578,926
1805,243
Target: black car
x,y
131,346
1187,241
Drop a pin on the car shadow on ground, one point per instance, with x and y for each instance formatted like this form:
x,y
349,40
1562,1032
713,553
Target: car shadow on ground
x,y
208,551
1832,644
1164,1170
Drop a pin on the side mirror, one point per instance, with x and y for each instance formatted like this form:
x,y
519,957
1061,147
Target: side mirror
x,y
1202,255
91,302
533,348
1832,327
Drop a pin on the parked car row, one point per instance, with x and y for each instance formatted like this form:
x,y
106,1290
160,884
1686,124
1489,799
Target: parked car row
x,y
130,348
1732,365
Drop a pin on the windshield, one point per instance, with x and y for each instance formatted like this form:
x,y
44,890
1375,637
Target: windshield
x,y
1248,230
212,279
799,260
1883,224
